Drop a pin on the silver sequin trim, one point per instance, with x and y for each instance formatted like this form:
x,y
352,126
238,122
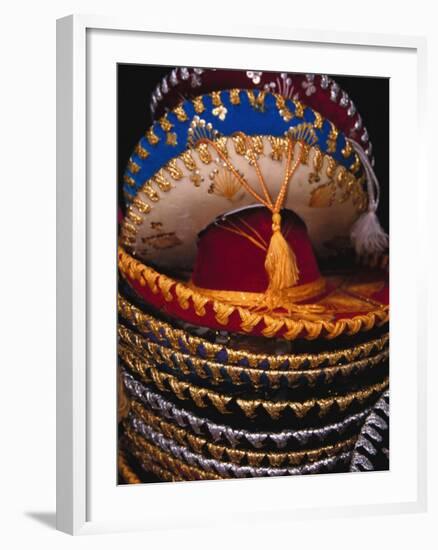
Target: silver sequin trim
x,y
324,81
334,91
370,437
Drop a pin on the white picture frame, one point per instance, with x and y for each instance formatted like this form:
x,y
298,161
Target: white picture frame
x,y
88,48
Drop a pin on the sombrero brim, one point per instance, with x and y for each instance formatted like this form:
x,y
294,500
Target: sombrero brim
x,y
241,379
317,91
260,439
160,332
148,443
351,303
334,405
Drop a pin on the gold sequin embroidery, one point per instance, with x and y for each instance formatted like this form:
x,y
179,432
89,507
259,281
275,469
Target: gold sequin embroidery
x,y
171,139
216,98
141,206
318,121
323,196
165,124
181,115
347,150
133,166
332,138
150,192
188,160
299,108
152,137
141,152
134,217
174,170
198,105
203,152
235,96
130,181
161,181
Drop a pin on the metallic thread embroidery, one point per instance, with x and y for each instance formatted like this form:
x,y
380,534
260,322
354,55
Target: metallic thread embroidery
x,y
141,152
152,137
133,166
174,170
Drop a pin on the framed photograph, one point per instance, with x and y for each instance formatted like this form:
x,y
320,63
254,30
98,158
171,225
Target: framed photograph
x,y
226,210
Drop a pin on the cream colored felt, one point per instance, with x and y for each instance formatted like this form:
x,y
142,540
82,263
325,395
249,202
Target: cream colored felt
x,y
162,224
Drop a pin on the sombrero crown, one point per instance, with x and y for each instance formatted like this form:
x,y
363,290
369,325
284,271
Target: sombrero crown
x,y
233,261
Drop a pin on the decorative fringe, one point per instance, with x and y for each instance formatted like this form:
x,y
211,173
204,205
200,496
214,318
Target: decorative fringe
x,y
280,264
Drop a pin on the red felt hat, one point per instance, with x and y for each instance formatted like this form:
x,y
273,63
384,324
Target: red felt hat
x,y
320,92
256,273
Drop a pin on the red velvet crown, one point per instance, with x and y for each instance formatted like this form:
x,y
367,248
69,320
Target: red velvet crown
x,y
232,251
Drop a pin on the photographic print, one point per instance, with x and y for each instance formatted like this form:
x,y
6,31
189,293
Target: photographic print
x,y
253,258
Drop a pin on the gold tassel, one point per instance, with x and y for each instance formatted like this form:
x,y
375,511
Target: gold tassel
x,y
280,264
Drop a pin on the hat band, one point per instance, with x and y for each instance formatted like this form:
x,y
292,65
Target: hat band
x,y
290,295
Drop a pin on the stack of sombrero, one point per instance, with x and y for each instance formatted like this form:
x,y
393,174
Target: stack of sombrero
x,y
251,342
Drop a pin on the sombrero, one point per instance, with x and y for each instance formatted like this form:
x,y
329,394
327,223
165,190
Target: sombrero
x,y
188,170
256,277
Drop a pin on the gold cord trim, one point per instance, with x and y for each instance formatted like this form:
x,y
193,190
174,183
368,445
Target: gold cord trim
x,y
214,372
169,383
285,327
297,293
146,323
147,464
146,452
125,470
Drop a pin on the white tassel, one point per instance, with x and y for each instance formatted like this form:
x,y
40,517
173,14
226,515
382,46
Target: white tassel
x,y
367,235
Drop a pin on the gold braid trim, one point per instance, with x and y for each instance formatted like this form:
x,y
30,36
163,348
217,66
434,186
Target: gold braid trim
x,y
158,471
214,372
144,452
125,470
292,328
221,452
182,390
146,323
149,465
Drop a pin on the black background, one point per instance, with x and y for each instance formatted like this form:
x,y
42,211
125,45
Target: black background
x,y
370,95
